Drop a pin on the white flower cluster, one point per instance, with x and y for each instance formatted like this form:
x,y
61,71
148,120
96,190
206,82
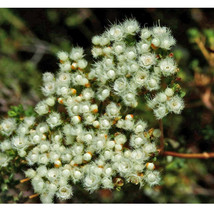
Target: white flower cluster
x,y
128,64
165,102
82,133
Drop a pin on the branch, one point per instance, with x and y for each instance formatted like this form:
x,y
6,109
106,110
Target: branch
x,y
33,196
203,155
162,137
208,56
24,180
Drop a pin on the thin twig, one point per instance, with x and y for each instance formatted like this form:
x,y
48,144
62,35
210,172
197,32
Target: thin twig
x,y
203,49
24,180
208,56
33,196
203,155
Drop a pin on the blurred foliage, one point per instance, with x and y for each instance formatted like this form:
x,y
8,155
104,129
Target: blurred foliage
x,y
19,112
29,40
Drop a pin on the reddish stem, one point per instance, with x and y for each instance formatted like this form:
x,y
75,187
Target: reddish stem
x,y
203,155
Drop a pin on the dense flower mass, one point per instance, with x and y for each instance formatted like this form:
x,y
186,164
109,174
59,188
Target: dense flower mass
x,y
85,131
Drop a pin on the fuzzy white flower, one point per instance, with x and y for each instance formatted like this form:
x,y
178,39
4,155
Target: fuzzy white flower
x,y
48,89
42,171
119,47
123,166
112,110
145,33
149,148
82,63
162,97
140,127
42,108
20,142
143,47
4,160
130,99
5,145
63,56
52,174
64,78
76,53
160,111
103,93
63,90
169,92
65,192
153,83
23,129
167,42
29,121
160,31
96,40
120,139
7,126
47,198
116,32
96,51
30,173
92,182
136,141
156,41
167,66
130,53
48,77
147,60
105,123
175,104
50,101
107,183
152,177
88,94
65,66
76,119
131,26
104,40
42,128
54,120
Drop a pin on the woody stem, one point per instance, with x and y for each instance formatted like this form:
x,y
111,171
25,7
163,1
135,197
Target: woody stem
x,y
203,155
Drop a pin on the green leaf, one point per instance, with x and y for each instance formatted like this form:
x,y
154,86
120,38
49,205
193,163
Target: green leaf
x,y
182,93
12,114
193,33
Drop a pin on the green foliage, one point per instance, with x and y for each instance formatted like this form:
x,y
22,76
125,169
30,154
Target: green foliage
x,y
193,34
19,112
208,133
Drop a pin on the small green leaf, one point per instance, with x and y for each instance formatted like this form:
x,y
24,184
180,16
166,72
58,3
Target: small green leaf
x,y
182,93
12,114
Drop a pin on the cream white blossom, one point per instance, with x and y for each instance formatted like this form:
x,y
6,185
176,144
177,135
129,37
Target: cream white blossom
x,y
86,129
7,126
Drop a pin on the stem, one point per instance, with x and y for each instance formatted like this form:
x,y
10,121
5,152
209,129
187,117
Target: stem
x,y
203,155
24,180
33,196
162,137
204,51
